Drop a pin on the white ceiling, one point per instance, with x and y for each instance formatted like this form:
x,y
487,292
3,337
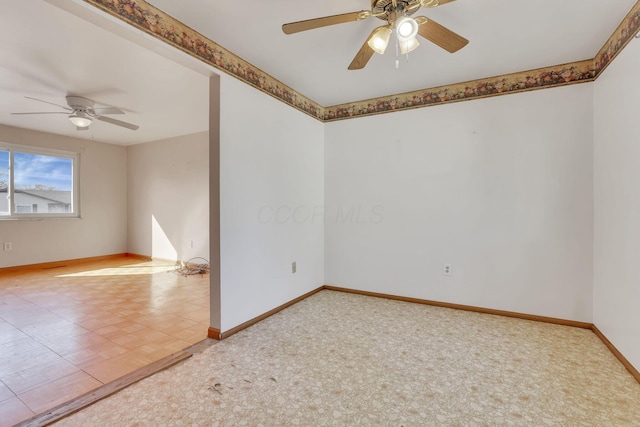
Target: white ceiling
x,y
59,47
505,36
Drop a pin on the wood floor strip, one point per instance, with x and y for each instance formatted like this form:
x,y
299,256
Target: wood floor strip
x,y
106,390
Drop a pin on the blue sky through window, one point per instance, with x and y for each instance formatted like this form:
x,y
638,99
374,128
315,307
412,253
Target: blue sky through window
x,y
31,170
4,168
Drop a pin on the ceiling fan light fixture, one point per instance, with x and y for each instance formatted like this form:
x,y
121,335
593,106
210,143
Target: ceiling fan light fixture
x,y
380,40
406,47
406,28
80,119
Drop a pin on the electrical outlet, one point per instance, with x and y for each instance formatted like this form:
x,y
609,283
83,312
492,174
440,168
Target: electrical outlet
x,y
8,246
191,244
293,267
447,270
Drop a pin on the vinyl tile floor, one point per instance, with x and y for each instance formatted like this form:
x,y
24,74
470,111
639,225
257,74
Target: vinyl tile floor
x,y
68,330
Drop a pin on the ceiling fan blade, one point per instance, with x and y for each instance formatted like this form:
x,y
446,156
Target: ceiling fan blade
x,y
310,24
364,54
108,110
43,112
442,36
47,102
117,122
441,2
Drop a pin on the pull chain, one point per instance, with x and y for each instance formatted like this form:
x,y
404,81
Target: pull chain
x,y
397,53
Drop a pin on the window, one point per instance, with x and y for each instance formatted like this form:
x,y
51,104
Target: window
x,y
38,183
24,209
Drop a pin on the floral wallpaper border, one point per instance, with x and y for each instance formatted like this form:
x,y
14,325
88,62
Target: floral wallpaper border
x,y
560,75
626,31
152,20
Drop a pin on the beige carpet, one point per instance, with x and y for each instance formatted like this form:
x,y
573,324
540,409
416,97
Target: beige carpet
x,y
338,359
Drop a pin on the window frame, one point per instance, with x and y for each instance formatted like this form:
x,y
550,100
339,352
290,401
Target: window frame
x,y
75,182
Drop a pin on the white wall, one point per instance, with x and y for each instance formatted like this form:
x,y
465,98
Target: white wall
x,y
102,230
271,161
168,198
617,203
500,188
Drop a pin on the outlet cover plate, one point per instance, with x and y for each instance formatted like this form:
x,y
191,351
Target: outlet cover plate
x,y
447,269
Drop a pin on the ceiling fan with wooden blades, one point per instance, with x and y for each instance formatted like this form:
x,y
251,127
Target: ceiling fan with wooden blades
x,y
82,111
397,14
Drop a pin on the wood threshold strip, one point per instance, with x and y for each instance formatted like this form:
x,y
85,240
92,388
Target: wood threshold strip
x,y
106,390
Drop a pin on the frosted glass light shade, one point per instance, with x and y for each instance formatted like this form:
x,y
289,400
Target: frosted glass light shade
x,y
80,119
406,47
380,40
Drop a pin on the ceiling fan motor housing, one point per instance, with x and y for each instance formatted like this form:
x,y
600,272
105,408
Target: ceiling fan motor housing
x,y
80,103
384,9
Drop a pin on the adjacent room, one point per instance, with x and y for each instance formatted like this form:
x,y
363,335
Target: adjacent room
x,y
473,161
89,291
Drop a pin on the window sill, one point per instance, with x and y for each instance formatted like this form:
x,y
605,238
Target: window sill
x,y
37,218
